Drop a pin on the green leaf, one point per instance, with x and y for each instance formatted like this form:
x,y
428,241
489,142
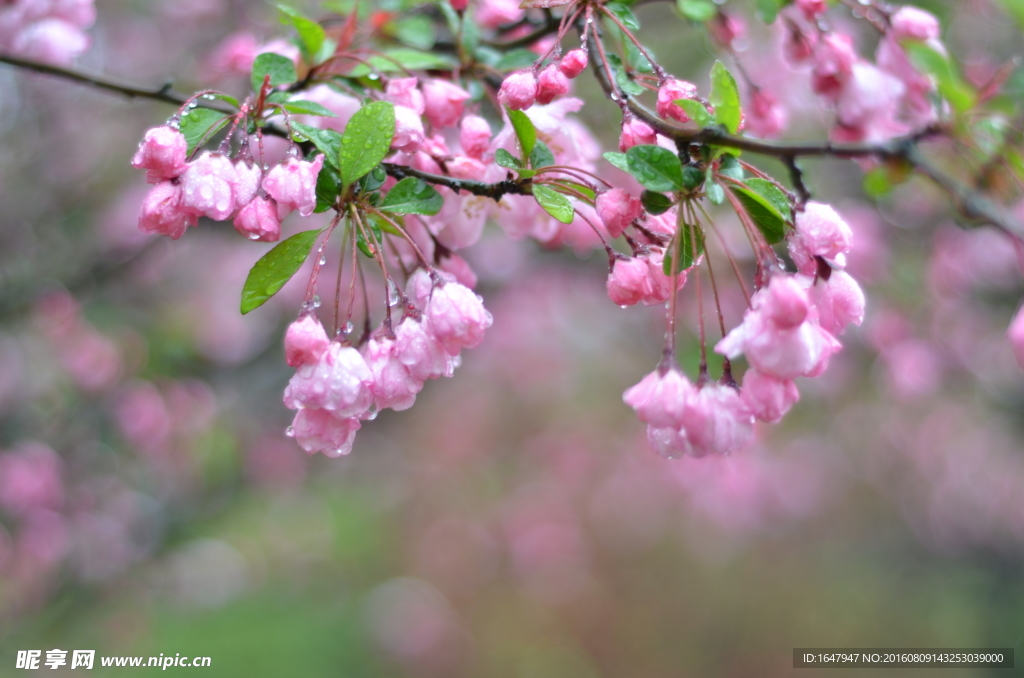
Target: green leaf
x,y
399,58
627,85
624,15
199,124
1015,8
368,248
586,191
309,108
692,178
328,188
554,203
413,196
730,167
525,131
516,59
506,159
617,159
775,196
876,183
655,203
951,86
541,156
698,10
695,111
373,180
366,141
656,168
223,97
764,214
327,141
275,268
725,97
416,31
684,245
714,192
311,34
280,69
769,9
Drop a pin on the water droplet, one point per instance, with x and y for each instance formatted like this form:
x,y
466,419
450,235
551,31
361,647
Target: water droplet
x,y
254,236
613,96
323,258
290,431
209,97
393,296
348,327
623,306
316,301
372,413
373,76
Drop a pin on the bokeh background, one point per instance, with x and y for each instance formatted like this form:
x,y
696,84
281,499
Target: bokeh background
x,y
514,523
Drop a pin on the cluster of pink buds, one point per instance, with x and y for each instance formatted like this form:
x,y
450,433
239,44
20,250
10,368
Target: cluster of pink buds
x,y
213,186
522,89
337,386
52,31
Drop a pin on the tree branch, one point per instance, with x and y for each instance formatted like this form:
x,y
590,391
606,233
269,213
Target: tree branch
x,y
494,191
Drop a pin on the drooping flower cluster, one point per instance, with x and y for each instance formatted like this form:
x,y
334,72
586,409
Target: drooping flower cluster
x,y
213,186
51,31
336,386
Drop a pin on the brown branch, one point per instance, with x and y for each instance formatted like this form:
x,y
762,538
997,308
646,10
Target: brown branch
x,y
494,191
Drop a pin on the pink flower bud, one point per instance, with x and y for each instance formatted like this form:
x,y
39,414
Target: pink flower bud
x,y
494,13
293,185
459,5
636,133
617,210
258,220
30,479
550,84
821,232
1016,336
784,302
305,342
52,40
393,386
457,317
660,399
675,89
839,300
573,63
317,430
161,211
660,285
249,176
443,102
405,92
628,281
717,421
161,154
462,167
409,132
766,117
209,186
767,397
340,382
458,267
834,58
799,45
474,136
812,9
914,23
518,91
726,28
419,350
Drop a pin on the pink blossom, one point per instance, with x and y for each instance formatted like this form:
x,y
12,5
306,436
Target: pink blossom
x,y
235,54
460,269
209,186
393,385
142,416
661,398
839,302
914,23
30,479
726,29
293,185
318,430
464,167
249,176
52,41
162,213
457,317
715,420
767,397
812,9
518,91
834,58
798,44
474,136
494,13
405,92
443,102
418,349
551,83
784,302
617,209
766,117
339,382
342,105
821,232
459,5
869,103
306,341
258,220
628,281
660,284
161,154
668,94
635,133
573,63
1016,336
409,133
81,13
